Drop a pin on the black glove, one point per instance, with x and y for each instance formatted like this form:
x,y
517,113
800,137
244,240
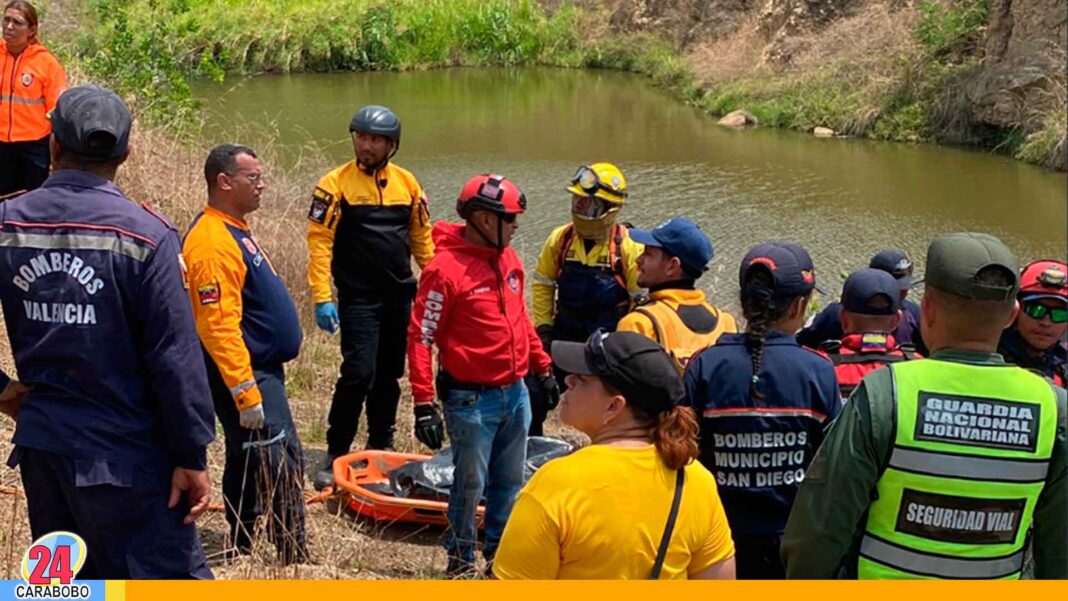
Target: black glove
x,y
545,332
428,428
551,390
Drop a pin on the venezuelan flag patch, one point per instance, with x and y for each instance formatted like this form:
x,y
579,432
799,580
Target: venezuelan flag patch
x,y
208,293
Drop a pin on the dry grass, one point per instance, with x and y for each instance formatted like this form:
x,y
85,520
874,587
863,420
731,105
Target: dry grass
x,y
867,46
166,174
732,57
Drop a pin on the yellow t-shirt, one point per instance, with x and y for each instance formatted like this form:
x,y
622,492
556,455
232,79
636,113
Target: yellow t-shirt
x,y
599,513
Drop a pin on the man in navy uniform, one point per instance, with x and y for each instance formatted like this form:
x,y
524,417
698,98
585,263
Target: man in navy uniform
x,y
827,324
113,413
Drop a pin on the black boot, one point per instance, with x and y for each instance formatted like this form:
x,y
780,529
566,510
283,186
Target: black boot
x,y
324,477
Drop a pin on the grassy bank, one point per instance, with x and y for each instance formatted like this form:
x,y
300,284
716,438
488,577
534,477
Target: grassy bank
x,y
885,74
874,74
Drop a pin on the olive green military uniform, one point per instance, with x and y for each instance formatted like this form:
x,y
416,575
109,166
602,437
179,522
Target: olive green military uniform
x,y
831,522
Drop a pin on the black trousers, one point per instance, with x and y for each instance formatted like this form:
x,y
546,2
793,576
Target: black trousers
x,y
23,165
264,468
757,558
119,510
374,335
539,407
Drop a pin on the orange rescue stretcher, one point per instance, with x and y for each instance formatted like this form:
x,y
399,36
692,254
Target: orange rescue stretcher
x,y
364,478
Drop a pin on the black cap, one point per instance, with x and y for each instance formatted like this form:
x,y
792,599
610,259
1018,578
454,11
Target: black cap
x,y
84,112
896,263
790,265
635,365
863,288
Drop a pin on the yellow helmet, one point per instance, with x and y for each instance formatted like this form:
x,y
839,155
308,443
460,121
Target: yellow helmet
x,y
603,180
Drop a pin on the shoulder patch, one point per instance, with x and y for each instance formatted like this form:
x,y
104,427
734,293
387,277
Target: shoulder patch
x,y
158,215
208,294
320,205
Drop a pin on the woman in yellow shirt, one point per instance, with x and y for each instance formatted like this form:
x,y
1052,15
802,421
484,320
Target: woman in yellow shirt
x,y
600,513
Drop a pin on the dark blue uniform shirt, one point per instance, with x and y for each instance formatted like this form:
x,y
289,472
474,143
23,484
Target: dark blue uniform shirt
x,y
101,328
758,449
827,325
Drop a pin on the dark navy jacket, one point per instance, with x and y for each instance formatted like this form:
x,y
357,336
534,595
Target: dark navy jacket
x,y
1053,363
759,449
101,328
826,325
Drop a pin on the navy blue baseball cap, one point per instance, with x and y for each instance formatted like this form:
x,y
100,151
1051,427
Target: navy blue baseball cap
x,y
681,238
790,266
92,121
896,263
864,288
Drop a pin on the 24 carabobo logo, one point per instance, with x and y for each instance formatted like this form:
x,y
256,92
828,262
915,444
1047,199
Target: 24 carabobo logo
x,y
50,565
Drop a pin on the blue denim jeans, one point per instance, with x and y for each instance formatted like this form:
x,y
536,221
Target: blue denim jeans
x,y
488,434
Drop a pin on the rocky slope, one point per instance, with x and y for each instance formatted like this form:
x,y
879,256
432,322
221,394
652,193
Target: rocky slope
x,y
1004,89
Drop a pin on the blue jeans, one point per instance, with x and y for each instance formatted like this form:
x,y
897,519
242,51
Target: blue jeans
x,y
488,433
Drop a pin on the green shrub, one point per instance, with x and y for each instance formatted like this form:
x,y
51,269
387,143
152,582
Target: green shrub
x,y
950,29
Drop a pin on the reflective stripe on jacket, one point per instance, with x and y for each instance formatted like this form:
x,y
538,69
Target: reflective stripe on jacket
x,y
759,448
969,460
100,327
244,314
30,84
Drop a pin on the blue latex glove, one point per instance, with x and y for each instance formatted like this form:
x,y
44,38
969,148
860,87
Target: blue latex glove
x,y
326,317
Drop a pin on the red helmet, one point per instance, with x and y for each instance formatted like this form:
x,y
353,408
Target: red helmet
x,y
492,193
1044,279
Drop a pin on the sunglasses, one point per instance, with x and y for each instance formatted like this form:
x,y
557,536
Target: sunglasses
x,y
1039,311
508,217
596,355
588,180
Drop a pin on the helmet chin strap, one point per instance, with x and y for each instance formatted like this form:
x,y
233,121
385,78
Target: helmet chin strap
x,y
500,234
371,169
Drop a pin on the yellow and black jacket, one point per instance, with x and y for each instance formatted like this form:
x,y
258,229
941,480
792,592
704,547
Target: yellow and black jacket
x,y
244,314
682,321
363,229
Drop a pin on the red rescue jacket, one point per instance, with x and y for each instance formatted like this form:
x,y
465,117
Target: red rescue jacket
x,y
471,304
857,355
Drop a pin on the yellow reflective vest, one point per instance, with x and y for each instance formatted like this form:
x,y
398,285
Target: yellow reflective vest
x,y
970,454
682,321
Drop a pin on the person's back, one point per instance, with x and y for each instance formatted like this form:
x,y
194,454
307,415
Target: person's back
x,y
758,484
612,517
763,402
949,467
633,504
82,345
870,311
827,324
114,424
